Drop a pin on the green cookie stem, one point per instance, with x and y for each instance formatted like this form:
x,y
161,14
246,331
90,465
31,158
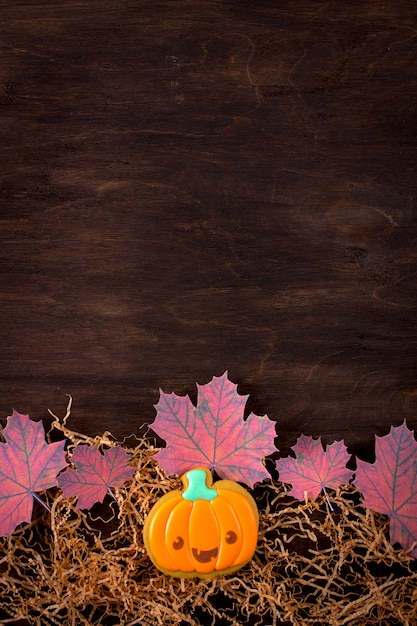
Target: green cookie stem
x,y
197,488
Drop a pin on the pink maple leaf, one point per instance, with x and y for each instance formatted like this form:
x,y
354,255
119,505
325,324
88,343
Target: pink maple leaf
x,y
27,465
314,468
389,485
214,434
94,474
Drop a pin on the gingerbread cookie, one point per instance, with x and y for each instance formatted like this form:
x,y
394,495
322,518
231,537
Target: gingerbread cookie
x,y
204,530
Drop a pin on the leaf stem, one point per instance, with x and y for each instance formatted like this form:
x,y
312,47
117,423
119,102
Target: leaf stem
x,y
328,499
111,493
42,502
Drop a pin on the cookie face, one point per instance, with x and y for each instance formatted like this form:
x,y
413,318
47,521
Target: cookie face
x,y
205,530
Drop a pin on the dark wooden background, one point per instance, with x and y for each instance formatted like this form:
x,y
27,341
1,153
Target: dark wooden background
x,y
192,186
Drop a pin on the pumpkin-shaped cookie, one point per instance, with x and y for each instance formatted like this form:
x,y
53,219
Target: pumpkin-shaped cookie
x,y
205,530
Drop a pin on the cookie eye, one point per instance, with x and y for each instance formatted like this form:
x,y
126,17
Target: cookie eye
x,y
231,536
179,543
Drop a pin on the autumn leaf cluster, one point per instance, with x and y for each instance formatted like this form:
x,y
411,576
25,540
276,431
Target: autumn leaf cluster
x,y
216,435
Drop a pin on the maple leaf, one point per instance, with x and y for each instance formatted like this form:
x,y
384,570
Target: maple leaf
x,y
95,474
314,468
27,465
389,485
214,434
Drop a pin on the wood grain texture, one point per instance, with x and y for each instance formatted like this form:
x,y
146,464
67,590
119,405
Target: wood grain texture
x,y
193,186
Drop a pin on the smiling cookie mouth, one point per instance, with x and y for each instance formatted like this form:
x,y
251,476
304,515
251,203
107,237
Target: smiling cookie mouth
x,y
204,556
